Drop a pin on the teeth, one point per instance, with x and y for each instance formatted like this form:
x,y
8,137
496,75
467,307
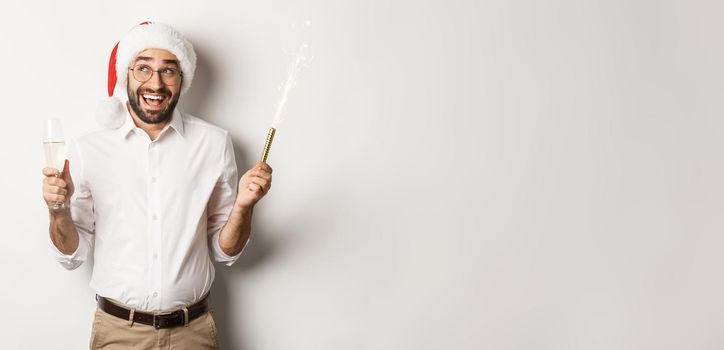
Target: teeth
x,y
151,97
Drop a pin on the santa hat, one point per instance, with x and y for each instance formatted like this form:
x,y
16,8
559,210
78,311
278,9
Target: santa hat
x,y
147,35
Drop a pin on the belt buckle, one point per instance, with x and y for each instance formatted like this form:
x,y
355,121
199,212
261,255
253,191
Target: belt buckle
x,y
163,320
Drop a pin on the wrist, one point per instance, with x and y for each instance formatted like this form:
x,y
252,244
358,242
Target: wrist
x,y
243,209
61,210
59,213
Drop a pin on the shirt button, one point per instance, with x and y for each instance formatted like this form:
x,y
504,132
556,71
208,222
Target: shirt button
x,y
153,179
155,217
155,256
155,294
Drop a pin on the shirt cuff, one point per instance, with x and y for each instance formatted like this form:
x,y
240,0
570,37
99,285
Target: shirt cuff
x,y
69,261
223,257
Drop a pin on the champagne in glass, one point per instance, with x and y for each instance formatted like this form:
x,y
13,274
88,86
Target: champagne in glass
x,y
54,145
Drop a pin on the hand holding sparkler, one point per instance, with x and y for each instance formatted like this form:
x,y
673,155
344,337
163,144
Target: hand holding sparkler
x,y
254,185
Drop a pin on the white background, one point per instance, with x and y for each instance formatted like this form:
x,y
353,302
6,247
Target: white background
x,y
450,175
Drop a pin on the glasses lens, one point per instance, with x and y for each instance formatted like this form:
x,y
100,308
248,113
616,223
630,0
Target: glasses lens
x,y
169,76
142,72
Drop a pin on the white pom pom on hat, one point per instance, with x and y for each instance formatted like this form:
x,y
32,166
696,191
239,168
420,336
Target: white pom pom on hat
x,y
147,35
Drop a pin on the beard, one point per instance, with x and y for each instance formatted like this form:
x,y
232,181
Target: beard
x,y
151,117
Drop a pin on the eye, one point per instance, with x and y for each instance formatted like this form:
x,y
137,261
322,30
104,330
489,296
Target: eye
x,y
168,72
143,68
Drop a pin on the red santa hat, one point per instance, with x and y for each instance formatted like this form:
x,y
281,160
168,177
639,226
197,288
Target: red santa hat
x,y
147,35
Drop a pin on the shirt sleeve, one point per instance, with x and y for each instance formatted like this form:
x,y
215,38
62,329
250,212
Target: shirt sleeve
x,y
81,210
221,203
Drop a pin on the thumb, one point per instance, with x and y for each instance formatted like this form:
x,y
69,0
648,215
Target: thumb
x,y
68,180
66,173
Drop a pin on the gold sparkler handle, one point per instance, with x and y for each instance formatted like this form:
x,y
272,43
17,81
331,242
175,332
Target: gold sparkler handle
x,y
267,144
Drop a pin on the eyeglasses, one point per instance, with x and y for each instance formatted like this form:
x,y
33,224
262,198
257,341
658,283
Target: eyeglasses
x,y
143,73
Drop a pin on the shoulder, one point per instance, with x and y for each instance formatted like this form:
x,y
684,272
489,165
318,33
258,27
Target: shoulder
x,y
99,134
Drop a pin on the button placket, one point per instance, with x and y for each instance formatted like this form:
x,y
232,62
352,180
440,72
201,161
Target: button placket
x,y
154,225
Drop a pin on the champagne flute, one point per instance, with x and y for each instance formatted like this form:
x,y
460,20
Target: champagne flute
x,y
54,145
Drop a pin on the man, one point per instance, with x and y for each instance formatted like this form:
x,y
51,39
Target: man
x,y
154,197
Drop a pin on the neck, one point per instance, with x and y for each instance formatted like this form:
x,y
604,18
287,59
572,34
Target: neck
x,y
153,130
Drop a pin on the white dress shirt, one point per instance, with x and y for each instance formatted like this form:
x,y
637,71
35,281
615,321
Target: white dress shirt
x,y
151,211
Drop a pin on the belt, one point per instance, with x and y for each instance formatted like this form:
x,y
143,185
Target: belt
x,y
180,317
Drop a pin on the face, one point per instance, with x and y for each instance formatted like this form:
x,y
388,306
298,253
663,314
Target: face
x,y
153,101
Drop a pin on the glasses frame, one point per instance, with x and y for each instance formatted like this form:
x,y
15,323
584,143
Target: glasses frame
x,y
133,73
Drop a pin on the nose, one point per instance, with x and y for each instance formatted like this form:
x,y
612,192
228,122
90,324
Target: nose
x,y
155,81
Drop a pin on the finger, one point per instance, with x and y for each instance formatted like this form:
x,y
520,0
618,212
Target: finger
x,y
259,181
48,171
49,197
266,187
264,175
54,181
48,181
259,174
263,172
263,166
254,187
49,189
56,198
250,173
56,190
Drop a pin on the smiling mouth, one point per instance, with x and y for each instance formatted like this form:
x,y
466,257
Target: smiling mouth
x,y
154,101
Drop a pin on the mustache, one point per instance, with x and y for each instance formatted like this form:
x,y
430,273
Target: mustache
x,y
162,91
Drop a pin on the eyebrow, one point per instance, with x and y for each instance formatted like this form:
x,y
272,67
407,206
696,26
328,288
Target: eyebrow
x,y
145,58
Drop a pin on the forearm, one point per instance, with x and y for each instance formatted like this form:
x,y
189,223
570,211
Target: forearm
x,y
62,231
235,233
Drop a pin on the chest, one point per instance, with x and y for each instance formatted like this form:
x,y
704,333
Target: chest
x,y
137,172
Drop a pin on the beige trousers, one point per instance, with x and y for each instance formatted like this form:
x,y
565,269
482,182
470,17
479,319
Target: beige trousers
x,y
110,333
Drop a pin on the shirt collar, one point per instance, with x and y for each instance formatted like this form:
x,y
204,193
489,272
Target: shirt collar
x,y
129,125
177,122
